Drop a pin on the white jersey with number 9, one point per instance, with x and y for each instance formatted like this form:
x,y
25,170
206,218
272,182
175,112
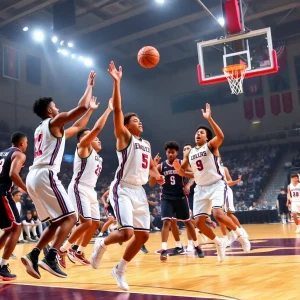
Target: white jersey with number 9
x,y
205,165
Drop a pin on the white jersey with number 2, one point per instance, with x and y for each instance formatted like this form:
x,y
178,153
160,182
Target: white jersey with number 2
x,y
134,162
48,149
205,165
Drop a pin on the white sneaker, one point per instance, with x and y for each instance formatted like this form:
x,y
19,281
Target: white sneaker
x,y
221,250
156,229
120,278
97,253
245,243
190,248
244,232
227,242
298,229
233,237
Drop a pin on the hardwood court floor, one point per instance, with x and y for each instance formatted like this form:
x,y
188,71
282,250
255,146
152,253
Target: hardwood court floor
x,y
267,272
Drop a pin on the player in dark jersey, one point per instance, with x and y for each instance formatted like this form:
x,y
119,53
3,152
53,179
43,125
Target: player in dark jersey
x,y
11,163
174,202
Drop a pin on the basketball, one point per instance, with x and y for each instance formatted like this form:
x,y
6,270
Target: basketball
x,y
148,57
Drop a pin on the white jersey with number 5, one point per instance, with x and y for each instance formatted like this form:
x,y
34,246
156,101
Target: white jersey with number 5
x,y
295,192
87,170
205,165
134,162
48,149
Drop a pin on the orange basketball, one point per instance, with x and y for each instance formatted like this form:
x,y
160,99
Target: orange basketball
x,y
148,57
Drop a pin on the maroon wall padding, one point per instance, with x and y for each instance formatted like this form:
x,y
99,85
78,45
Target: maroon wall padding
x,y
233,16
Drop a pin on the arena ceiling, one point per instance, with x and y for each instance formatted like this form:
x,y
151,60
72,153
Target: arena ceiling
x,y
117,29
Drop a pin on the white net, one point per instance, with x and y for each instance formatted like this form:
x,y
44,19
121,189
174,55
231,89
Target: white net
x,y
235,75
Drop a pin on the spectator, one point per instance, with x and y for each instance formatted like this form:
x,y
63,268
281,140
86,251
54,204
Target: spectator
x,y
282,205
266,206
28,203
29,227
254,206
37,221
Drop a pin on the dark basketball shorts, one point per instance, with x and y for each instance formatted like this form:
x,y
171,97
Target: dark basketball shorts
x,y
110,211
175,208
9,214
283,209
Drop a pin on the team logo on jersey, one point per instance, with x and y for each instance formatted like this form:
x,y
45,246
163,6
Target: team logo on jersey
x,y
197,155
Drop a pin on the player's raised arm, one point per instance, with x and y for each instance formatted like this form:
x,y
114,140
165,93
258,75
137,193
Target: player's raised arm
x,y
18,160
229,180
217,141
82,122
87,139
65,117
121,132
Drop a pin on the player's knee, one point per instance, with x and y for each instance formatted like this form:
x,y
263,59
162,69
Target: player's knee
x,y
127,234
167,223
72,219
16,228
95,223
144,236
87,223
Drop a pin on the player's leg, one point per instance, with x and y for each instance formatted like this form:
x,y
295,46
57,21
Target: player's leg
x,y
50,199
10,221
295,210
167,213
218,197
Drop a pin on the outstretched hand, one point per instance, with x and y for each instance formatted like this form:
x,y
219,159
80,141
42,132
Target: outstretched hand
x,y
160,179
156,159
207,112
93,103
91,79
114,73
176,165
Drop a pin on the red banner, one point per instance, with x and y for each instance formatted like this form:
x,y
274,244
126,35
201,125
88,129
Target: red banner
x,y
275,105
287,102
248,109
260,107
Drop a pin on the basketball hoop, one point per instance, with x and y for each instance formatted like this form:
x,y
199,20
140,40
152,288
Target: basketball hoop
x,y
235,75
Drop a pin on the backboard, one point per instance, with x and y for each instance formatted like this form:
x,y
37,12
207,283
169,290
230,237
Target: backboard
x,y
254,49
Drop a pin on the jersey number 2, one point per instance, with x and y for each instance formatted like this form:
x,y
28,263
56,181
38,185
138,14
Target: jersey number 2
x,y
145,161
1,164
199,165
38,146
98,170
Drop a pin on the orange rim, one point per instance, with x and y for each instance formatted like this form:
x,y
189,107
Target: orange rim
x,y
237,68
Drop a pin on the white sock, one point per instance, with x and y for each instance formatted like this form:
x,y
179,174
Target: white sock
x,y
217,241
195,243
103,244
191,242
4,262
164,246
122,264
101,234
238,232
65,247
178,244
80,249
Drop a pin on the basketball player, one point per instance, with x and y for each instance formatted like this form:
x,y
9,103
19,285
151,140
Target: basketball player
x,y
229,205
87,168
127,195
293,195
174,202
109,211
44,188
211,189
11,162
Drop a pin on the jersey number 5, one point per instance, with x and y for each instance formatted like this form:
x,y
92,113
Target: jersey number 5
x,y
145,161
199,165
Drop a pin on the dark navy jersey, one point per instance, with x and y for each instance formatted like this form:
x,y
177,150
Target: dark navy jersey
x,y
5,163
174,183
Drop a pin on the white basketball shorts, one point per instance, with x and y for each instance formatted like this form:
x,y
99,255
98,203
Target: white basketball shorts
x,y
84,199
130,206
295,207
207,197
229,205
48,195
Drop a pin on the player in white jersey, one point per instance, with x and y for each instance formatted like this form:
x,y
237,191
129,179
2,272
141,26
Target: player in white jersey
x,y
46,191
127,195
87,168
229,205
293,195
211,189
